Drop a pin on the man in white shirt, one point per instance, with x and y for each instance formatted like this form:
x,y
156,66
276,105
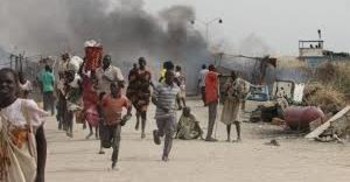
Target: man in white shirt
x,y
108,74
201,81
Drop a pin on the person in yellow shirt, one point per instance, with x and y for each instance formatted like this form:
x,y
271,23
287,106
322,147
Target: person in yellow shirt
x,y
168,65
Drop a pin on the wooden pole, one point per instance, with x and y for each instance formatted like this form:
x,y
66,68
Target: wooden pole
x,y
20,63
16,63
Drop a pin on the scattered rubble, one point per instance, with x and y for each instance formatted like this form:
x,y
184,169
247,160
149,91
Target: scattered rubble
x,y
273,142
310,105
336,128
278,122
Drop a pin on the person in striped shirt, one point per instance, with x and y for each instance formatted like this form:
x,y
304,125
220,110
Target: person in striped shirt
x,y
166,97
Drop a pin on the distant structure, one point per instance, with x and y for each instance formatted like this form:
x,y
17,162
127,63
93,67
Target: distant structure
x,y
313,52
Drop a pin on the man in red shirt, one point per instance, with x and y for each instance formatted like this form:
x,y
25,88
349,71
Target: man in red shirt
x,y
212,99
111,111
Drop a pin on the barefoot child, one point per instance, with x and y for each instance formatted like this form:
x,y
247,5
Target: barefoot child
x,y
111,111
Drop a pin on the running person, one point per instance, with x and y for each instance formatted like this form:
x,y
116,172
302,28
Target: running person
x,y
165,97
111,111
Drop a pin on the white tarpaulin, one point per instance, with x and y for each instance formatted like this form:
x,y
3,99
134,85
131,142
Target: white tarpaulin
x,y
298,92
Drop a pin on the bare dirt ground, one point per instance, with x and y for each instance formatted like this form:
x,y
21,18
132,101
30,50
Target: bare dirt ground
x,y
296,159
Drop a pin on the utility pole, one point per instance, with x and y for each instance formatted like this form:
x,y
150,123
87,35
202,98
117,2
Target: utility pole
x,y
207,25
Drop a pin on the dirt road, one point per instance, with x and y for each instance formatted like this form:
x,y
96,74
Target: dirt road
x,y
76,160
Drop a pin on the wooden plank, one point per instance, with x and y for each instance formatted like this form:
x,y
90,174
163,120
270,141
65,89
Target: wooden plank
x,y
319,121
318,131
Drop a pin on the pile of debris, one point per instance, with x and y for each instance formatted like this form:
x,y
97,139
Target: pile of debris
x,y
323,111
329,90
337,128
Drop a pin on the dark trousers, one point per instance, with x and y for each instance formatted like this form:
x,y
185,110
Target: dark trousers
x,y
61,109
49,102
67,122
213,107
111,136
166,126
116,131
203,94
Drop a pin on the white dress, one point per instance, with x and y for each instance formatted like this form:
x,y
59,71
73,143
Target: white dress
x,y
23,163
235,91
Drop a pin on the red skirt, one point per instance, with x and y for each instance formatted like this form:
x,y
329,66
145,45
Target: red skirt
x,y
92,116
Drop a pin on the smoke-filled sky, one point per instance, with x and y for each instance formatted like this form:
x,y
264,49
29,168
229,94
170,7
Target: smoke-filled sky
x,y
124,27
250,26
278,23
160,30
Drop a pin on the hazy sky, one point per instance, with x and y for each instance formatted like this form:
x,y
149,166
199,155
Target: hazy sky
x,y
278,23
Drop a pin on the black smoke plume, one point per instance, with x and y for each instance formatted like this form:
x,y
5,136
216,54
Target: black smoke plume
x,y
126,31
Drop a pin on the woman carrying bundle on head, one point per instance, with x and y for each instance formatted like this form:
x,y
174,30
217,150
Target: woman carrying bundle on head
x,y
90,102
73,97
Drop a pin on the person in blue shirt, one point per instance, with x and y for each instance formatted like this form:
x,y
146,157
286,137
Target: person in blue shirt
x,y
47,80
